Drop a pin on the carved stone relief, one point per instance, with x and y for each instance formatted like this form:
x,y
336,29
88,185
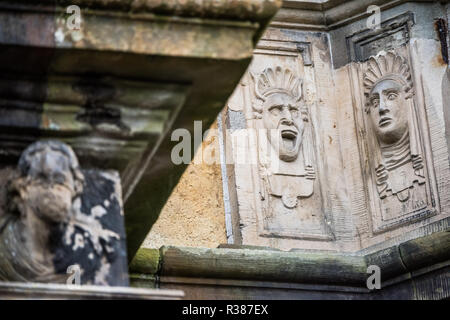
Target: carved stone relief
x,y
57,216
398,172
286,156
351,151
276,97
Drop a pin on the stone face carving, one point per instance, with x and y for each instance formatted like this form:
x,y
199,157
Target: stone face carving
x,y
280,92
394,137
280,125
285,122
290,202
58,216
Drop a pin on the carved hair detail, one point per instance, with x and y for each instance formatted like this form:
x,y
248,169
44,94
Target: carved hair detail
x,y
27,157
389,66
280,80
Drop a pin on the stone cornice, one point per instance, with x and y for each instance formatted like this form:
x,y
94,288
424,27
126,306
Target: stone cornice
x,y
239,10
327,15
248,17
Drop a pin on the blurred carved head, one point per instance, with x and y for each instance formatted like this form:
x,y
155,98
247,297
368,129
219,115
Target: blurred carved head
x,y
50,179
280,92
387,88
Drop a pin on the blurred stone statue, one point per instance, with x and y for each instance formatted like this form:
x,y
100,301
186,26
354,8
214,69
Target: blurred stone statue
x,y
53,220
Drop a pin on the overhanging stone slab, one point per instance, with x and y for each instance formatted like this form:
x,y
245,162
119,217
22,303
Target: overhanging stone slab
x,y
150,61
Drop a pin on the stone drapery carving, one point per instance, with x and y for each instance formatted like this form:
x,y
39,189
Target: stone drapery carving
x,y
58,215
394,137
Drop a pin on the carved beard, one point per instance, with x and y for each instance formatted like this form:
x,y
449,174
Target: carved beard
x,y
24,239
287,140
51,203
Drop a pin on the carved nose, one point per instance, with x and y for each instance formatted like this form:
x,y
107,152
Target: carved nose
x,y
286,117
49,167
382,108
47,162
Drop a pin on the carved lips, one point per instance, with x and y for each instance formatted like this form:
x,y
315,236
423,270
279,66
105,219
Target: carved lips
x,y
290,134
385,121
289,137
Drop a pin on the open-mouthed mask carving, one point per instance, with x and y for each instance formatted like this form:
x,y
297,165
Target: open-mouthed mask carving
x,y
280,92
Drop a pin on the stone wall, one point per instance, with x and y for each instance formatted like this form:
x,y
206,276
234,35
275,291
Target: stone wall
x,y
194,214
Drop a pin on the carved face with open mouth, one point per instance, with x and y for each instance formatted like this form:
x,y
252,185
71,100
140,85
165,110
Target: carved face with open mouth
x,y
388,111
283,121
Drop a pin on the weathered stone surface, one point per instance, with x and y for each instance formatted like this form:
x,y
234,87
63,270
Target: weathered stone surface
x,y
252,10
146,261
193,215
286,202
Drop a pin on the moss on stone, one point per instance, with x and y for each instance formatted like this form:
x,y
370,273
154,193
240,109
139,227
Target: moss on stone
x,y
145,261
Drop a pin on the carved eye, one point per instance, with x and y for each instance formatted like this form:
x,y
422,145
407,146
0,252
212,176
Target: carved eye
x,y
392,96
294,112
375,102
275,110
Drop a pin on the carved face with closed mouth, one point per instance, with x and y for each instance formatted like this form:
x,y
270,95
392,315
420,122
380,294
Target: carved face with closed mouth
x,y
52,179
388,111
283,121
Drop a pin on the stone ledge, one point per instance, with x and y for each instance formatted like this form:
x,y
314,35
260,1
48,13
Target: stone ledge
x,y
327,15
17,290
123,32
398,263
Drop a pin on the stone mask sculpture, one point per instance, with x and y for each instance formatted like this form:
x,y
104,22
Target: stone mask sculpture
x,y
280,92
398,161
289,190
286,125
